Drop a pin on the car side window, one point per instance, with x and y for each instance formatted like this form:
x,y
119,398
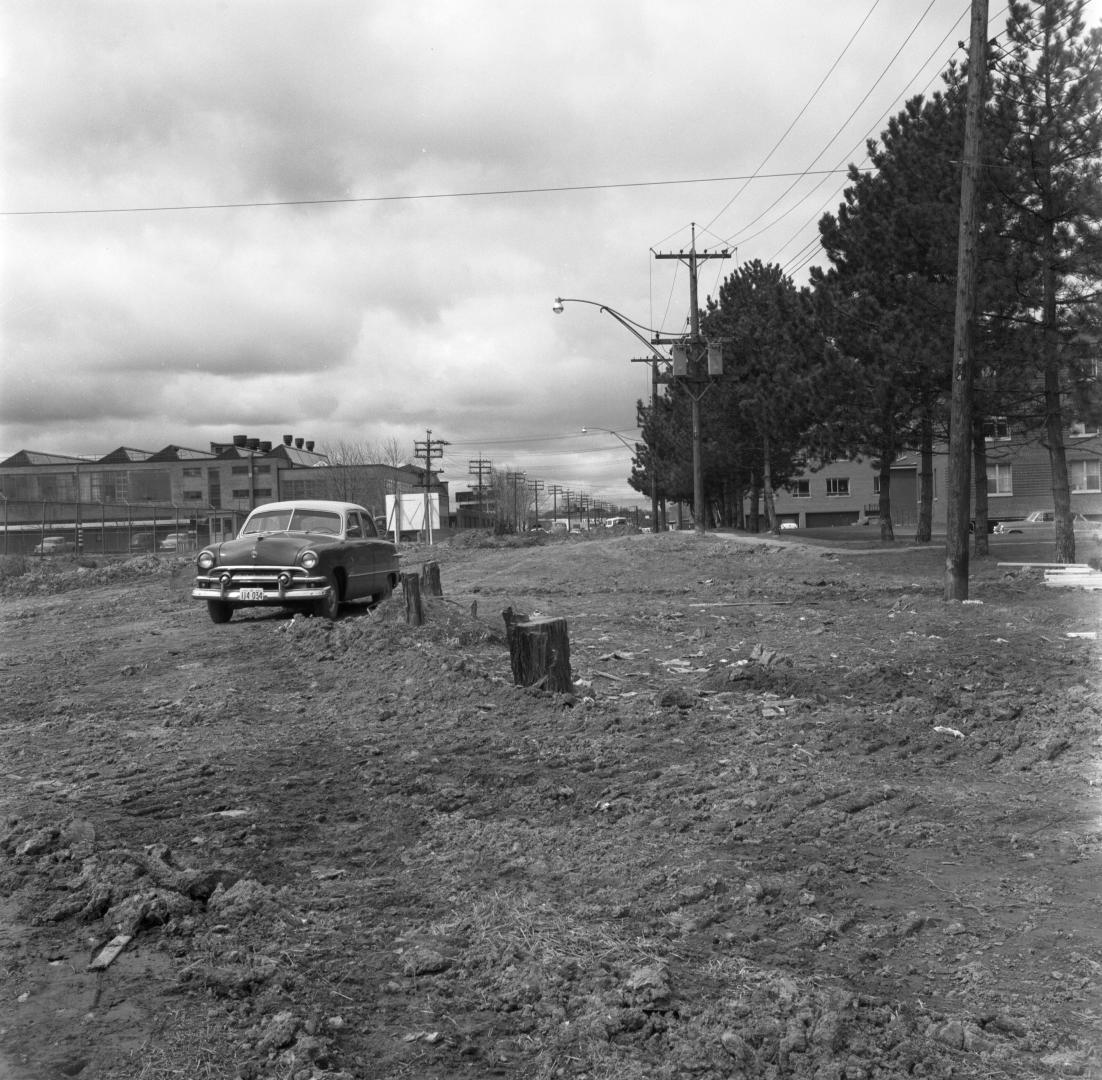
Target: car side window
x,y
369,527
354,530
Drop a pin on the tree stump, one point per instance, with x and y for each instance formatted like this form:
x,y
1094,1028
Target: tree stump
x,y
539,651
430,579
415,613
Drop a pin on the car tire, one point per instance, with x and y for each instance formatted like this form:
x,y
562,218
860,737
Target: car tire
x,y
219,611
329,606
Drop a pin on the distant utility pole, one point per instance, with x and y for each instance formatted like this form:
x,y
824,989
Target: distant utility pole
x,y
430,449
537,487
516,479
688,363
960,410
656,377
555,491
476,467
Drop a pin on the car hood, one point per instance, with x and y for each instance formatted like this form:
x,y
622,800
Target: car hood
x,y
271,549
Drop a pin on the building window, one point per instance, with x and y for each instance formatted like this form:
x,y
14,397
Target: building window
x,y
240,470
996,428
801,489
240,493
1000,480
1085,475
192,473
876,484
1080,430
263,468
196,495
263,493
837,485
110,486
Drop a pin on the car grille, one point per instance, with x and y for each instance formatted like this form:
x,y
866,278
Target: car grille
x,y
277,578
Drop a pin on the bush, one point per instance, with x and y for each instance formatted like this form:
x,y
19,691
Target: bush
x,y
13,566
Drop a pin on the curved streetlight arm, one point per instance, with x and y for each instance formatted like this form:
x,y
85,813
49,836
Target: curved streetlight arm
x,y
623,320
615,434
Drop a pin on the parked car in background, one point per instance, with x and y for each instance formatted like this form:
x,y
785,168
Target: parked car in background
x,y
54,545
310,554
178,541
1042,524
143,541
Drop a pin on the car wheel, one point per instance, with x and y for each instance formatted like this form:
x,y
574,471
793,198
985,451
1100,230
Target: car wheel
x,y
329,606
219,611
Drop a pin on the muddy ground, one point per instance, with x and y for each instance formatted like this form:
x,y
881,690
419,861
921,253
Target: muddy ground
x,y
801,818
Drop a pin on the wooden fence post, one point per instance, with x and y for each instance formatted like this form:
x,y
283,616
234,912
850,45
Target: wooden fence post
x,y
539,651
415,614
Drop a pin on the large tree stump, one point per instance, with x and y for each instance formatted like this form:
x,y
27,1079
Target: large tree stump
x,y
430,579
539,651
415,614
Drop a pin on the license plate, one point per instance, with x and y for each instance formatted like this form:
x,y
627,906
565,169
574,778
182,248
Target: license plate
x,y
252,594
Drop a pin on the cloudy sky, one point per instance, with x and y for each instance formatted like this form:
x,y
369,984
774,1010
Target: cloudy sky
x,y
349,221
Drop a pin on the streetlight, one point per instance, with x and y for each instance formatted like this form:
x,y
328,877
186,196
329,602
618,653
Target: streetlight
x,y
615,434
634,450
658,357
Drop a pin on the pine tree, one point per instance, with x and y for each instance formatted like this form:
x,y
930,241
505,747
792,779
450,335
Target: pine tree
x,y
1048,163
765,396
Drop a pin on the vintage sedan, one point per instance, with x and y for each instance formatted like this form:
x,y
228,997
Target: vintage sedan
x,y
313,555
1041,525
54,545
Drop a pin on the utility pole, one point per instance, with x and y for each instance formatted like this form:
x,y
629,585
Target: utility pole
x,y
430,449
652,464
476,467
555,491
690,368
537,487
516,479
960,411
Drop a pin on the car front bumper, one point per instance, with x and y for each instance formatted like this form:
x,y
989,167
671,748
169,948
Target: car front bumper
x,y
260,585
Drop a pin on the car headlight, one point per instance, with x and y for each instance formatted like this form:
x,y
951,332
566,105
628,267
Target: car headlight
x,y
309,559
205,560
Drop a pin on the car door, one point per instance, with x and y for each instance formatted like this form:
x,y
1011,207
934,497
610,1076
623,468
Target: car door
x,y
359,558
382,558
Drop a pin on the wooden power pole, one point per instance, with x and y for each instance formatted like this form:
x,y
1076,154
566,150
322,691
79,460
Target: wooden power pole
x,y
960,414
430,450
694,376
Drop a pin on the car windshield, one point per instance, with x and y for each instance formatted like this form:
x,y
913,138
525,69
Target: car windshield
x,y
296,521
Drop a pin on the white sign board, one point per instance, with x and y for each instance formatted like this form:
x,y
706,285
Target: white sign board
x,y
406,513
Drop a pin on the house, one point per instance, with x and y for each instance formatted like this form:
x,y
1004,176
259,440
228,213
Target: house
x,y
1019,480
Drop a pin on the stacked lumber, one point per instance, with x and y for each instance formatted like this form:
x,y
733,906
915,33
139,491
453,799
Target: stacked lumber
x,y
1073,576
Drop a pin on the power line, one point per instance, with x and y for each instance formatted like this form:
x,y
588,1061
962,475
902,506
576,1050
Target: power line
x,y
489,193
842,126
807,104
803,256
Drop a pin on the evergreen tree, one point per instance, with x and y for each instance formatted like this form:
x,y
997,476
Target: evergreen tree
x,y
887,302
1048,163
765,396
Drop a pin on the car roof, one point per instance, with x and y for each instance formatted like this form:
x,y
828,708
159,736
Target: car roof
x,y
331,505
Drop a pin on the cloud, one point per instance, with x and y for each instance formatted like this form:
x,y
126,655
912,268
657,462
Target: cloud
x,y
383,318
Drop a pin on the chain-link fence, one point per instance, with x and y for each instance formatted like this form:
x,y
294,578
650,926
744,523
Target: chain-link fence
x,y
45,528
